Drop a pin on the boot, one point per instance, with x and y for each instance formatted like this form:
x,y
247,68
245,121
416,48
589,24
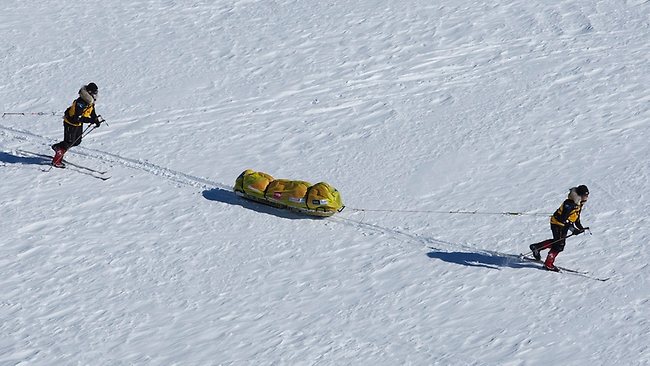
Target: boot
x,y
550,259
538,247
57,161
533,248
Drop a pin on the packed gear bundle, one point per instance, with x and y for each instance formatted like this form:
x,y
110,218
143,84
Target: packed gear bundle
x,y
320,199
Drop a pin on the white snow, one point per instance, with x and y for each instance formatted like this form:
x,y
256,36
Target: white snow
x,y
415,107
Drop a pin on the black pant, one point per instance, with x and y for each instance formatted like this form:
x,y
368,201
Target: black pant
x,y
559,235
71,137
558,241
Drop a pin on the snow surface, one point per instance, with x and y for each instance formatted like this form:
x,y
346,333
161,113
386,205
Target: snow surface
x,y
413,109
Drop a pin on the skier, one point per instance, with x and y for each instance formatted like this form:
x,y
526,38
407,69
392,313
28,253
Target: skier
x,y
565,219
81,111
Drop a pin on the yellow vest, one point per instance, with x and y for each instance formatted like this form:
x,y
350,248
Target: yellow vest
x,y
72,110
572,217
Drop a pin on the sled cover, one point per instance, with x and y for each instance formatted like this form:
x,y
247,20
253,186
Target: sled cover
x,y
320,198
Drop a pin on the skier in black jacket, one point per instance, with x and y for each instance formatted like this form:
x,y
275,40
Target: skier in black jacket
x,y
566,218
81,111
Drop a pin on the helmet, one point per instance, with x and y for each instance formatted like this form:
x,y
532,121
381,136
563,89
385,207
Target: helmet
x,y
582,190
92,88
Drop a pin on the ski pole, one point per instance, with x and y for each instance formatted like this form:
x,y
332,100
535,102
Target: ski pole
x,y
28,114
89,129
551,243
84,133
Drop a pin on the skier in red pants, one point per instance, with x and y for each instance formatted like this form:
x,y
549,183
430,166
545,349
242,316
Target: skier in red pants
x,y
81,111
565,219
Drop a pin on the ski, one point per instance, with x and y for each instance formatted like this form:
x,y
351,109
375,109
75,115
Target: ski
x,y
70,166
78,170
584,274
102,172
531,259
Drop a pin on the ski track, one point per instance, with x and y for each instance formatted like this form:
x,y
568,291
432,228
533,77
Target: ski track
x,y
110,158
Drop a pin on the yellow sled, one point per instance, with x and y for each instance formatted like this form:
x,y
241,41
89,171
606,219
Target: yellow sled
x,y
320,199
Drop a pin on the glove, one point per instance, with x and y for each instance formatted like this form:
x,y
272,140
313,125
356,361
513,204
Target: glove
x,y
571,227
580,230
98,121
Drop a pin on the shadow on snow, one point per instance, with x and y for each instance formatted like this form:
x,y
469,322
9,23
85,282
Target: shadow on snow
x,y
492,260
478,258
229,197
26,160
